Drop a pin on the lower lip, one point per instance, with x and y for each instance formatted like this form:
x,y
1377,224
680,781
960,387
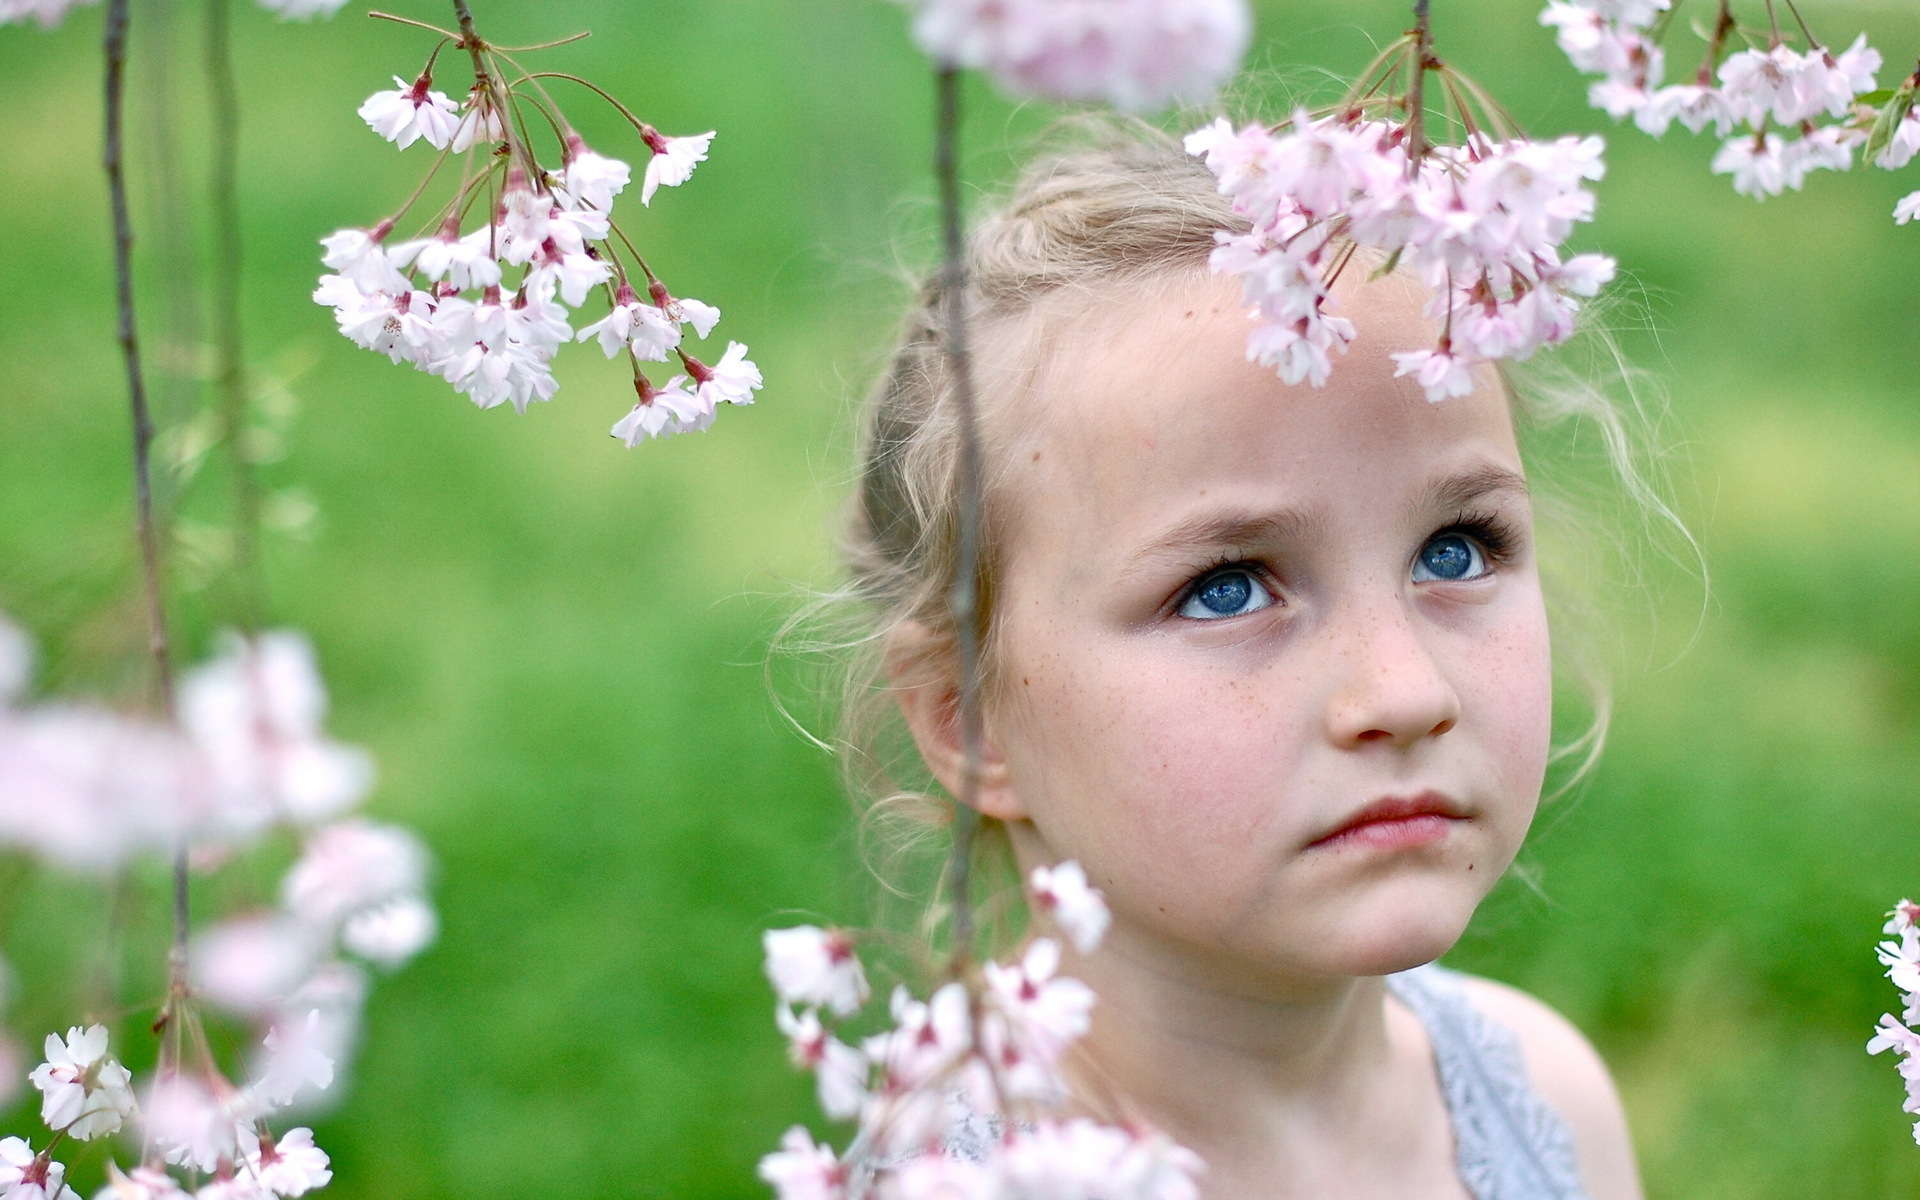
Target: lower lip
x,y
1400,833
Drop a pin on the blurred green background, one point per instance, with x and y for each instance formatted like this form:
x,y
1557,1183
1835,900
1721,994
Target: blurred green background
x,y
555,646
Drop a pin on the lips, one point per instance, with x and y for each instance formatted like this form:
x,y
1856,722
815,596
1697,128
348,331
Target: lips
x,y
1396,823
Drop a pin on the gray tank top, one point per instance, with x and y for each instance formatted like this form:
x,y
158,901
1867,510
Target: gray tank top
x,y
1507,1143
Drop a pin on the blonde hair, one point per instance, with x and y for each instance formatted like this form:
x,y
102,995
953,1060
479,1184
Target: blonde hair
x,y
1119,202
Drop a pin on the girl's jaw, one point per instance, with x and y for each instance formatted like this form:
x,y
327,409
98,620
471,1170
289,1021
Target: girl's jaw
x,y
1272,660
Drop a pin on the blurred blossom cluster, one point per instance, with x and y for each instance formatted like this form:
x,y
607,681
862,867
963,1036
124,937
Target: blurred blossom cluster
x,y
1481,223
50,13
1782,112
88,789
960,1097
487,306
1137,55
1901,957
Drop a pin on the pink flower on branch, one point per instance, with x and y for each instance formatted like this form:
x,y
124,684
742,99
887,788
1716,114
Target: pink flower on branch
x,y
85,1093
1137,55
410,112
487,308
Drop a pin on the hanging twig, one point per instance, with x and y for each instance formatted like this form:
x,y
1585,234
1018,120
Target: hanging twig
x,y
1417,86
963,598
114,45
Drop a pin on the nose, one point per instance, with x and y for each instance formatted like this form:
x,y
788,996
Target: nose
x,y
1391,687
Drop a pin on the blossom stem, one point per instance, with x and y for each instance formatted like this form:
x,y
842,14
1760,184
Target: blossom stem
x,y
1416,87
114,49
568,40
626,112
229,355
963,598
1723,24
387,16
1813,43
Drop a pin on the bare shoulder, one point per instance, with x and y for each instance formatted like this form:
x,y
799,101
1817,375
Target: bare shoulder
x,y
1569,1075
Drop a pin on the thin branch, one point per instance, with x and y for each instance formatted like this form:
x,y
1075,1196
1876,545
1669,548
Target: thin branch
x,y
1417,86
114,49
963,597
229,349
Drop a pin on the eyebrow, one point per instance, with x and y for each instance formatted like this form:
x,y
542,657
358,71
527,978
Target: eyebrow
x,y
1235,528
1458,491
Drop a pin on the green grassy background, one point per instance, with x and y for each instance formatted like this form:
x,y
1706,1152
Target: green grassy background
x,y
554,645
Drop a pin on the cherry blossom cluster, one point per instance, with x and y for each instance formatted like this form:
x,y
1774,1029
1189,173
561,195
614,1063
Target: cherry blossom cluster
x,y
1901,957
1481,223
217,1140
1782,112
1138,55
50,13
87,789
487,305
961,1097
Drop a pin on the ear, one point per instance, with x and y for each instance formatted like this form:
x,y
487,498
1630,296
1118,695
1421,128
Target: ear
x,y
923,672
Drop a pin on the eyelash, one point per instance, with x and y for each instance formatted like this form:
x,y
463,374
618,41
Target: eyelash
x,y
1497,537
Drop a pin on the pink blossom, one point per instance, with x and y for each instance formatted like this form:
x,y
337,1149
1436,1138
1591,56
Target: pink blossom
x,y
673,161
190,1126
295,1060
479,124
813,966
732,380
1036,1017
465,262
663,411
651,332
1907,209
1904,143
312,1033
593,179
410,113
390,934
1080,910
1693,105
85,1092
1441,372
1756,162
256,713
351,866
302,10
940,1177
1135,54
289,1167
800,1170
928,1038
86,788
249,964
49,13
25,1176
143,1183
840,1070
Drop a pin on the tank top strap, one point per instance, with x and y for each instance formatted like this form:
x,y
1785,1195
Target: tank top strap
x,y
1508,1144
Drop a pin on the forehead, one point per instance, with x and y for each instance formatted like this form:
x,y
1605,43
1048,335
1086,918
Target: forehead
x,y
1144,412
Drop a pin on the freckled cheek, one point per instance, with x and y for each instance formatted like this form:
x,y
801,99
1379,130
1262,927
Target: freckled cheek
x,y
1135,761
1516,694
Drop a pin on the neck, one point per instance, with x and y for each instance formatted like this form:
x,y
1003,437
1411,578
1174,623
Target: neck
x,y
1189,1044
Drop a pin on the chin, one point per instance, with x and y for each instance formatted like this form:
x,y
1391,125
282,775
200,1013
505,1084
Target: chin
x,y
1397,927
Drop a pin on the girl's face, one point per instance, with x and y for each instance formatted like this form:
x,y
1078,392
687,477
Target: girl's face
x,y
1273,660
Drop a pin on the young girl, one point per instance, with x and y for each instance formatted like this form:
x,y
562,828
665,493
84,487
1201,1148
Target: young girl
x,y
1272,663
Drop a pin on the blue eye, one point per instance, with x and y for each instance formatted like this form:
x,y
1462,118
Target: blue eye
x,y
1449,558
1229,593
